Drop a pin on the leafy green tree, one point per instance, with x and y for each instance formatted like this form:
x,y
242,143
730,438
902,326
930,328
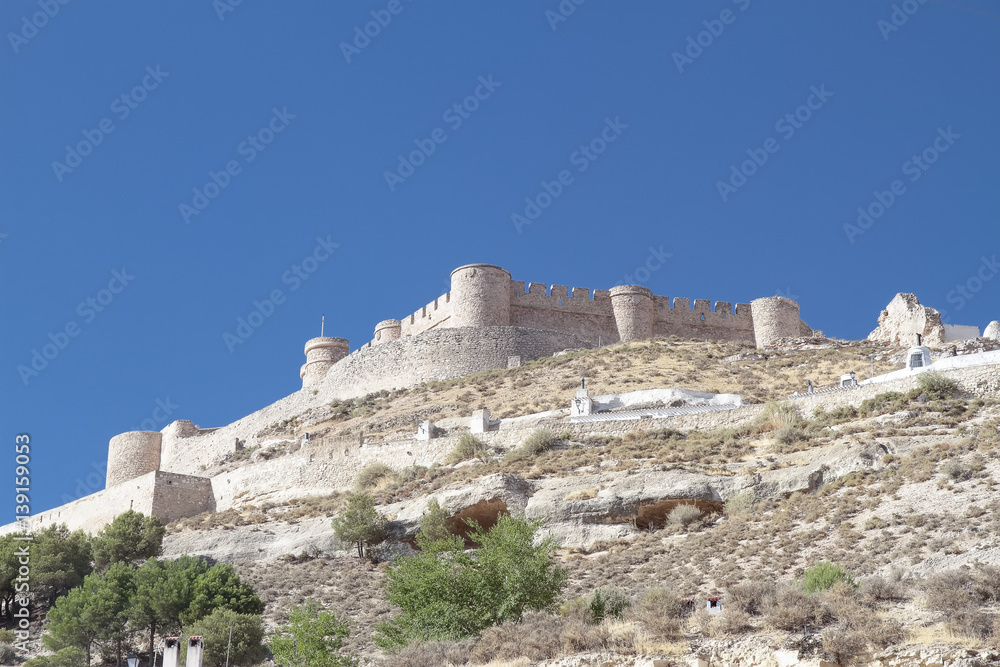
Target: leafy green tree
x,y
8,570
60,559
67,657
131,538
247,646
434,523
360,524
220,587
446,593
312,638
164,591
96,612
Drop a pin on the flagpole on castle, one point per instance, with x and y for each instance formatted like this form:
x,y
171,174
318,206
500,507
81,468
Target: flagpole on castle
x,y
322,323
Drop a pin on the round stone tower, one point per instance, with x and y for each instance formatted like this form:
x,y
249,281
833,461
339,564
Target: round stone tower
x,y
132,454
774,317
634,311
480,296
387,330
321,353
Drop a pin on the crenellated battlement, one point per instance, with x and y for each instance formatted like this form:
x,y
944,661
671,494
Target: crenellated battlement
x,y
434,314
485,295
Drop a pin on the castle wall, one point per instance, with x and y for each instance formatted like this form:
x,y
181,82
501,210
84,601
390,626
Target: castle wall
x,y
132,454
164,495
439,354
589,314
177,496
776,317
435,314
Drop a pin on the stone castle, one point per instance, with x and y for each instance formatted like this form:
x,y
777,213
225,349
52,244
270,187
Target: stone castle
x,y
486,321
485,305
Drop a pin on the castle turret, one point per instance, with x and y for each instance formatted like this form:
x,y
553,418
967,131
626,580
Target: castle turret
x,y
480,296
775,317
132,454
634,311
387,330
321,353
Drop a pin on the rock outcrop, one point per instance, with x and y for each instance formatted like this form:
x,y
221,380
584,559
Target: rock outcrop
x,y
992,331
903,318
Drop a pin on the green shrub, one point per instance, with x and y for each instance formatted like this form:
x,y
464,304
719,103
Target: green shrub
x,y
67,657
446,593
7,636
936,386
880,404
468,447
372,475
434,523
540,441
823,576
607,602
313,637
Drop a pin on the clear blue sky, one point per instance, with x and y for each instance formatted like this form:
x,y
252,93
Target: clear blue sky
x,y
267,90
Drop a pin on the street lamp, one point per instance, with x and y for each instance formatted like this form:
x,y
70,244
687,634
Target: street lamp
x,y
133,659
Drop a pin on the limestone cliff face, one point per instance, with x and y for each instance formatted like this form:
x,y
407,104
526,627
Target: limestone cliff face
x,y
905,317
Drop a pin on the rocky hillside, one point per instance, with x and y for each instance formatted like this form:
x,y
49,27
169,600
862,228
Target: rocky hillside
x,y
898,492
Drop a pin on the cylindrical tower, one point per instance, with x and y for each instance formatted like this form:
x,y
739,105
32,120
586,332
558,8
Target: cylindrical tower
x,y
634,311
321,353
480,296
387,330
774,317
132,454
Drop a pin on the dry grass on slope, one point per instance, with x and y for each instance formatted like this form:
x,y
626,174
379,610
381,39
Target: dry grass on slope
x,y
551,382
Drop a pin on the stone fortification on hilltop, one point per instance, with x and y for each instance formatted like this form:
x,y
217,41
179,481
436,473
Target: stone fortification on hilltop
x,y
486,321
484,297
